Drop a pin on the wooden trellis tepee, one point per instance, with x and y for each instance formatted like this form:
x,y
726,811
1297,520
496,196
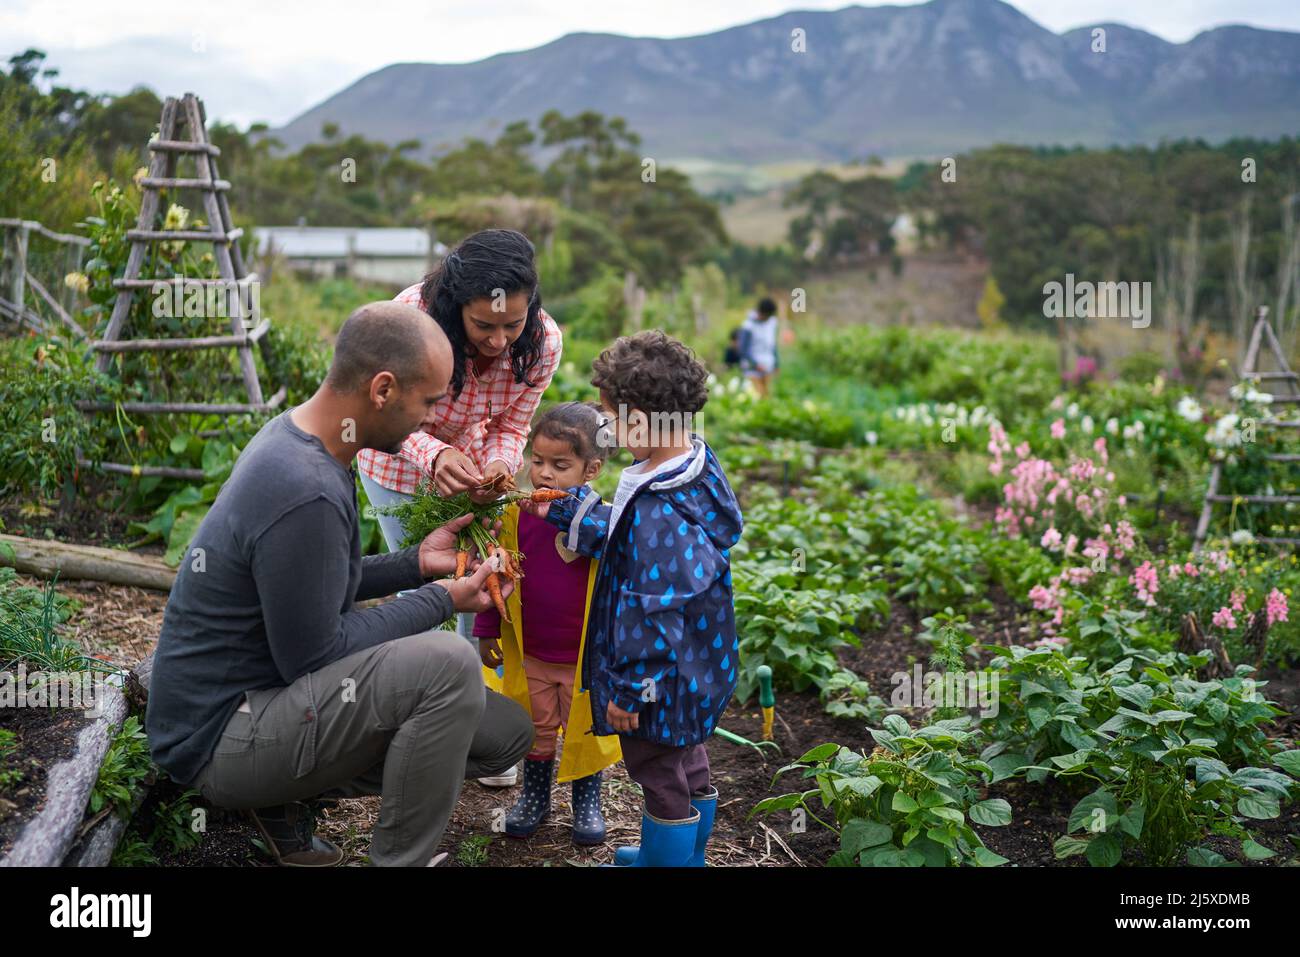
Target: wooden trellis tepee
x,y
247,329
1262,334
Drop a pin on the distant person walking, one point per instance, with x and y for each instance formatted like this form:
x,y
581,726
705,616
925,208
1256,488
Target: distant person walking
x,y
758,346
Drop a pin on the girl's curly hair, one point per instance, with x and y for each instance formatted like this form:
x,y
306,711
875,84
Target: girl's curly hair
x,y
487,261
651,372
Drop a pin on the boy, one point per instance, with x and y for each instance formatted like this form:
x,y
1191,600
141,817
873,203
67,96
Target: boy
x,y
661,648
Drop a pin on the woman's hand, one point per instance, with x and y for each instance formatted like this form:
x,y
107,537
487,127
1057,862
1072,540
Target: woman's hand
x,y
495,469
454,472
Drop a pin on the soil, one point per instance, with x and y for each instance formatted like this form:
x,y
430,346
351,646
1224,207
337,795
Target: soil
x,y
42,738
83,522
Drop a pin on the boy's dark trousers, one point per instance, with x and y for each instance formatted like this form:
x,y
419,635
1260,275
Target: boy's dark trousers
x,y
667,775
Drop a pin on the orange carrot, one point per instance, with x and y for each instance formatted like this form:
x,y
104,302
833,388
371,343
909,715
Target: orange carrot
x,y
462,559
548,495
494,589
510,563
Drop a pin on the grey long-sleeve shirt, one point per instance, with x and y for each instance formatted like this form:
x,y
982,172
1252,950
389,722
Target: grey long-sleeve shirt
x,y
266,593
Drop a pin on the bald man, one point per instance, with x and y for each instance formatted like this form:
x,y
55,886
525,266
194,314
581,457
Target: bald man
x,y
270,687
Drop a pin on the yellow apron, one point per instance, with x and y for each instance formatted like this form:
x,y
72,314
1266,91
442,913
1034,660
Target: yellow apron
x,y
583,754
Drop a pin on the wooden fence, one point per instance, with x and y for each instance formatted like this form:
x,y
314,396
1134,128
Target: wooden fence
x,y
34,301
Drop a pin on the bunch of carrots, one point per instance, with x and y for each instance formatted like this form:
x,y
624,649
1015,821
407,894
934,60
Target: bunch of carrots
x,y
428,510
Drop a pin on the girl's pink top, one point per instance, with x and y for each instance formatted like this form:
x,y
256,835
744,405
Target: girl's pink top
x,y
553,593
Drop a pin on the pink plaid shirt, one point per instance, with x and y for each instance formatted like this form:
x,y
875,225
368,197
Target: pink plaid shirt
x,y
489,420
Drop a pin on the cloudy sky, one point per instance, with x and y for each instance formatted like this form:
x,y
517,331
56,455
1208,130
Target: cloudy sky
x,y
276,58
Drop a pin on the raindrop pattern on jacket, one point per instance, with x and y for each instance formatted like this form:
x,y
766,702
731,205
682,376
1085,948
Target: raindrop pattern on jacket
x,y
661,638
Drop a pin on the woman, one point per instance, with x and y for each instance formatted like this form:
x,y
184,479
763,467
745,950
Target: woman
x,y
486,297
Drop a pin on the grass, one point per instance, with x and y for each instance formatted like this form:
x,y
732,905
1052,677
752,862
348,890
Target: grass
x,y
473,851
29,628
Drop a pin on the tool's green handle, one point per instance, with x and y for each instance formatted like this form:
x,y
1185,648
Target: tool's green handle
x,y
765,696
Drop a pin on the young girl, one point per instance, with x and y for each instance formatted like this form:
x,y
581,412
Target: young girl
x,y
541,646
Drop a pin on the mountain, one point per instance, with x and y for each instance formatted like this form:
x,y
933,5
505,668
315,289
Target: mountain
x,y
926,80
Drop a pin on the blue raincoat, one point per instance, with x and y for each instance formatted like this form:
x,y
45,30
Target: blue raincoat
x,y
661,633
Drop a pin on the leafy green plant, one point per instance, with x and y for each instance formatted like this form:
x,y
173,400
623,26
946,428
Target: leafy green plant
x,y
42,432
848,696
177,519
30,622
795,633
907,803
10,774
473,851
1173,758
126,764
950,638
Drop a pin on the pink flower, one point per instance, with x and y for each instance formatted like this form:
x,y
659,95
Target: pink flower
x,y
1223,618
1078,574
1043,598
1058,429
1238,599
1099,447
1022,450
1082,470
1276,607
1146,580
1095,547
1051,540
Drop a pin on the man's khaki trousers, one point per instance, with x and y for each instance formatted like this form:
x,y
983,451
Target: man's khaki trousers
x,y
409,720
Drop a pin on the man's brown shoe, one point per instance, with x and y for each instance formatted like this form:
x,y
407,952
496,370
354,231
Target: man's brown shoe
x,y
289,833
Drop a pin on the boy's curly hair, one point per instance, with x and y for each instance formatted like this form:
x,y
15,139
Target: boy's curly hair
x,y
651,372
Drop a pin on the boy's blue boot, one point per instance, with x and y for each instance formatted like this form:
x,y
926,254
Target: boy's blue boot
x,y
588,822
663,843
534,804
707,805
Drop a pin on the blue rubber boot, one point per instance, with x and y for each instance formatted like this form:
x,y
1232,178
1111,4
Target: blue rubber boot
x,y
707,805
664,843
588,822
534,803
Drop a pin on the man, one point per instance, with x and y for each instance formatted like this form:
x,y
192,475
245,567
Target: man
x,y
757,347
269,685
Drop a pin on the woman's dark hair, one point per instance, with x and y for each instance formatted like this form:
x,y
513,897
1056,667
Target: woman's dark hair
x,y
578,424
766,307
484,262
